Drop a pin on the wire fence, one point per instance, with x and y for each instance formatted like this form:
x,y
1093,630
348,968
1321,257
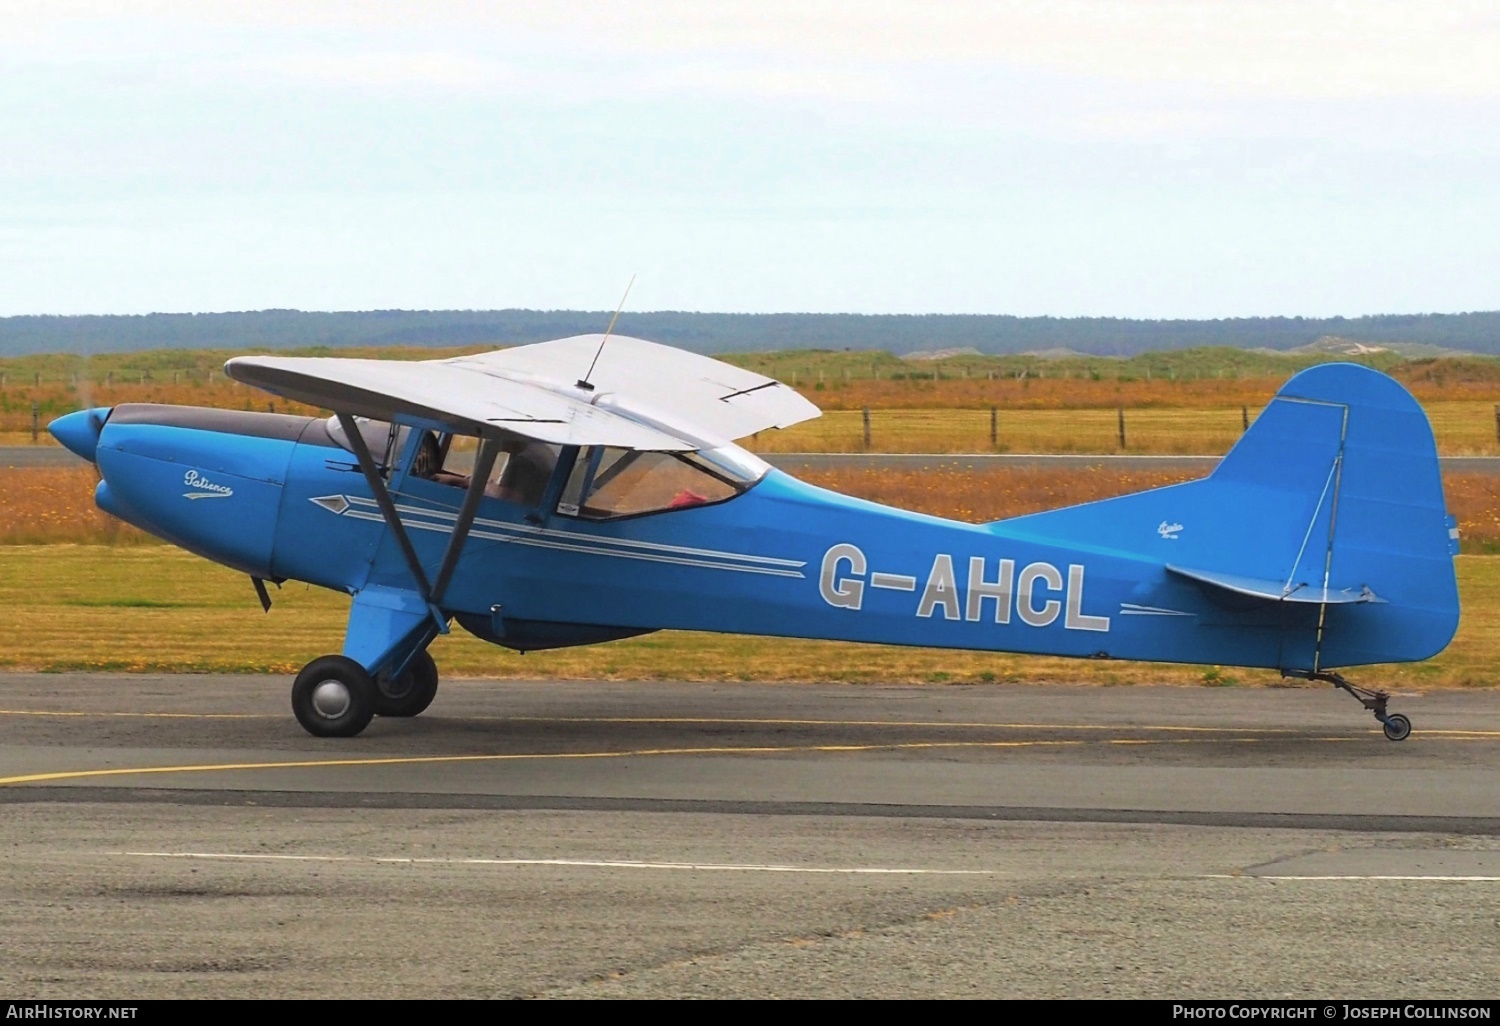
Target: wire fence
x,y
1463,427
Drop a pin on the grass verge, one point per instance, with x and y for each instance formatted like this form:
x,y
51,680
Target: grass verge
x,y
157,609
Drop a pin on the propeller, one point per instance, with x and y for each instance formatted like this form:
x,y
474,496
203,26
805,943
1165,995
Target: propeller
x,y
79,431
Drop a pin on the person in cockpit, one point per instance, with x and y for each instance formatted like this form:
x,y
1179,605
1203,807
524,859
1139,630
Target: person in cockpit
x,y
522,480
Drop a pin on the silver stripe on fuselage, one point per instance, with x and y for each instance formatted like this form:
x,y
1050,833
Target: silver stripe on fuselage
x,y
629,543
543,538
1131,609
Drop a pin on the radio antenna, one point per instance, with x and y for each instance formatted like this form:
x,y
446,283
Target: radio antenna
x,y
583,382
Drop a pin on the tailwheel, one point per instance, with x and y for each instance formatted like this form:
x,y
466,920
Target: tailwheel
x,y
1396,726
333,697
409,693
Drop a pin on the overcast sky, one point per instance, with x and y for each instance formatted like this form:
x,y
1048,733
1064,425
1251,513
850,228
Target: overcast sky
x,y
1139,159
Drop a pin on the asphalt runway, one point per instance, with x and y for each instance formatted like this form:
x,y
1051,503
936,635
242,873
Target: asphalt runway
x,y
799,462
180,836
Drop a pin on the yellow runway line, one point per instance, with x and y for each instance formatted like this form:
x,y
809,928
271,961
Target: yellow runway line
x,y
410,760
139,715
766,722
965,724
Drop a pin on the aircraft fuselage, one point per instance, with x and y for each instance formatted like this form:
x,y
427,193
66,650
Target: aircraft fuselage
x,y
276,498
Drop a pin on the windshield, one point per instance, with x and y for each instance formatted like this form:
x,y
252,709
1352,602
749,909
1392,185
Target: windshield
x,y
608,483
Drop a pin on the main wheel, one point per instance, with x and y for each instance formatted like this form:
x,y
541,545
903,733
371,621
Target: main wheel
x,y
410,693
333,697
1397,727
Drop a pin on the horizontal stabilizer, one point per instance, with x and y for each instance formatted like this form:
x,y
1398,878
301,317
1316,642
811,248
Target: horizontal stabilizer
x,y
1276,591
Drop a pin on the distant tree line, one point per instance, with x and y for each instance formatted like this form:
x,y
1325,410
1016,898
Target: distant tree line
x,y
725,333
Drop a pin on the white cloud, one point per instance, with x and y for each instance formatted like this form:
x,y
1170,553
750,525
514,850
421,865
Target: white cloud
x,y
1267,48
378,71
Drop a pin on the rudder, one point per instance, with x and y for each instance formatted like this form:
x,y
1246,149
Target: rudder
x,y
1387,525
1333,497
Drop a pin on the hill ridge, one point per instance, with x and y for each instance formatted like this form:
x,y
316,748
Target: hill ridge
x,y
713,333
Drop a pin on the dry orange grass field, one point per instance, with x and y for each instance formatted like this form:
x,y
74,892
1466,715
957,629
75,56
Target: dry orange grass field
x,y
1197,417
1462,429
1205,378
1085,393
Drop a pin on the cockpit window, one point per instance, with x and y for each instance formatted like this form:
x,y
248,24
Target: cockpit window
x,y
520,474
609,483
528,468
453,462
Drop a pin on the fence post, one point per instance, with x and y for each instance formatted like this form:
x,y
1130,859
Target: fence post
x,y
994,426
1121,411
36,424
866,412
1497,423
1245,416
36,381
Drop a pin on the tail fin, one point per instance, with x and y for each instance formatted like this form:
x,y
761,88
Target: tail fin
x,y
1333,497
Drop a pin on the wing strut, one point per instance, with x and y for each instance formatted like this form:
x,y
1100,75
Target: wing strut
x,y
383,500
431,592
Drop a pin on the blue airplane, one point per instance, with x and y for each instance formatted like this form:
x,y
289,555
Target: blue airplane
x,y
588,489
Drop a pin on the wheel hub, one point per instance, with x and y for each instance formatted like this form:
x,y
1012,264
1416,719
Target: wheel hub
x,y
331,699
396,687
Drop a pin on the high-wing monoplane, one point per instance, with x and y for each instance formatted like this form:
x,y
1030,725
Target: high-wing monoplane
x,y
589,489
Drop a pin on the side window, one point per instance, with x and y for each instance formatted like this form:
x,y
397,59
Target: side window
x,y
609,483
524,476
449,460
384,440
520,473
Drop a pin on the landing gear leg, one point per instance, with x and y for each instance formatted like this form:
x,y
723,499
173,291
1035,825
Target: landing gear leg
x,y
1397,727
410,692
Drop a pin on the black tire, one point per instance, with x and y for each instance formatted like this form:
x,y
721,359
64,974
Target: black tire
x,y
410,693
333,697
1397,727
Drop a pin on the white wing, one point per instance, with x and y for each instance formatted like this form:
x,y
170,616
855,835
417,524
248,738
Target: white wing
x,y
643,395
655,383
